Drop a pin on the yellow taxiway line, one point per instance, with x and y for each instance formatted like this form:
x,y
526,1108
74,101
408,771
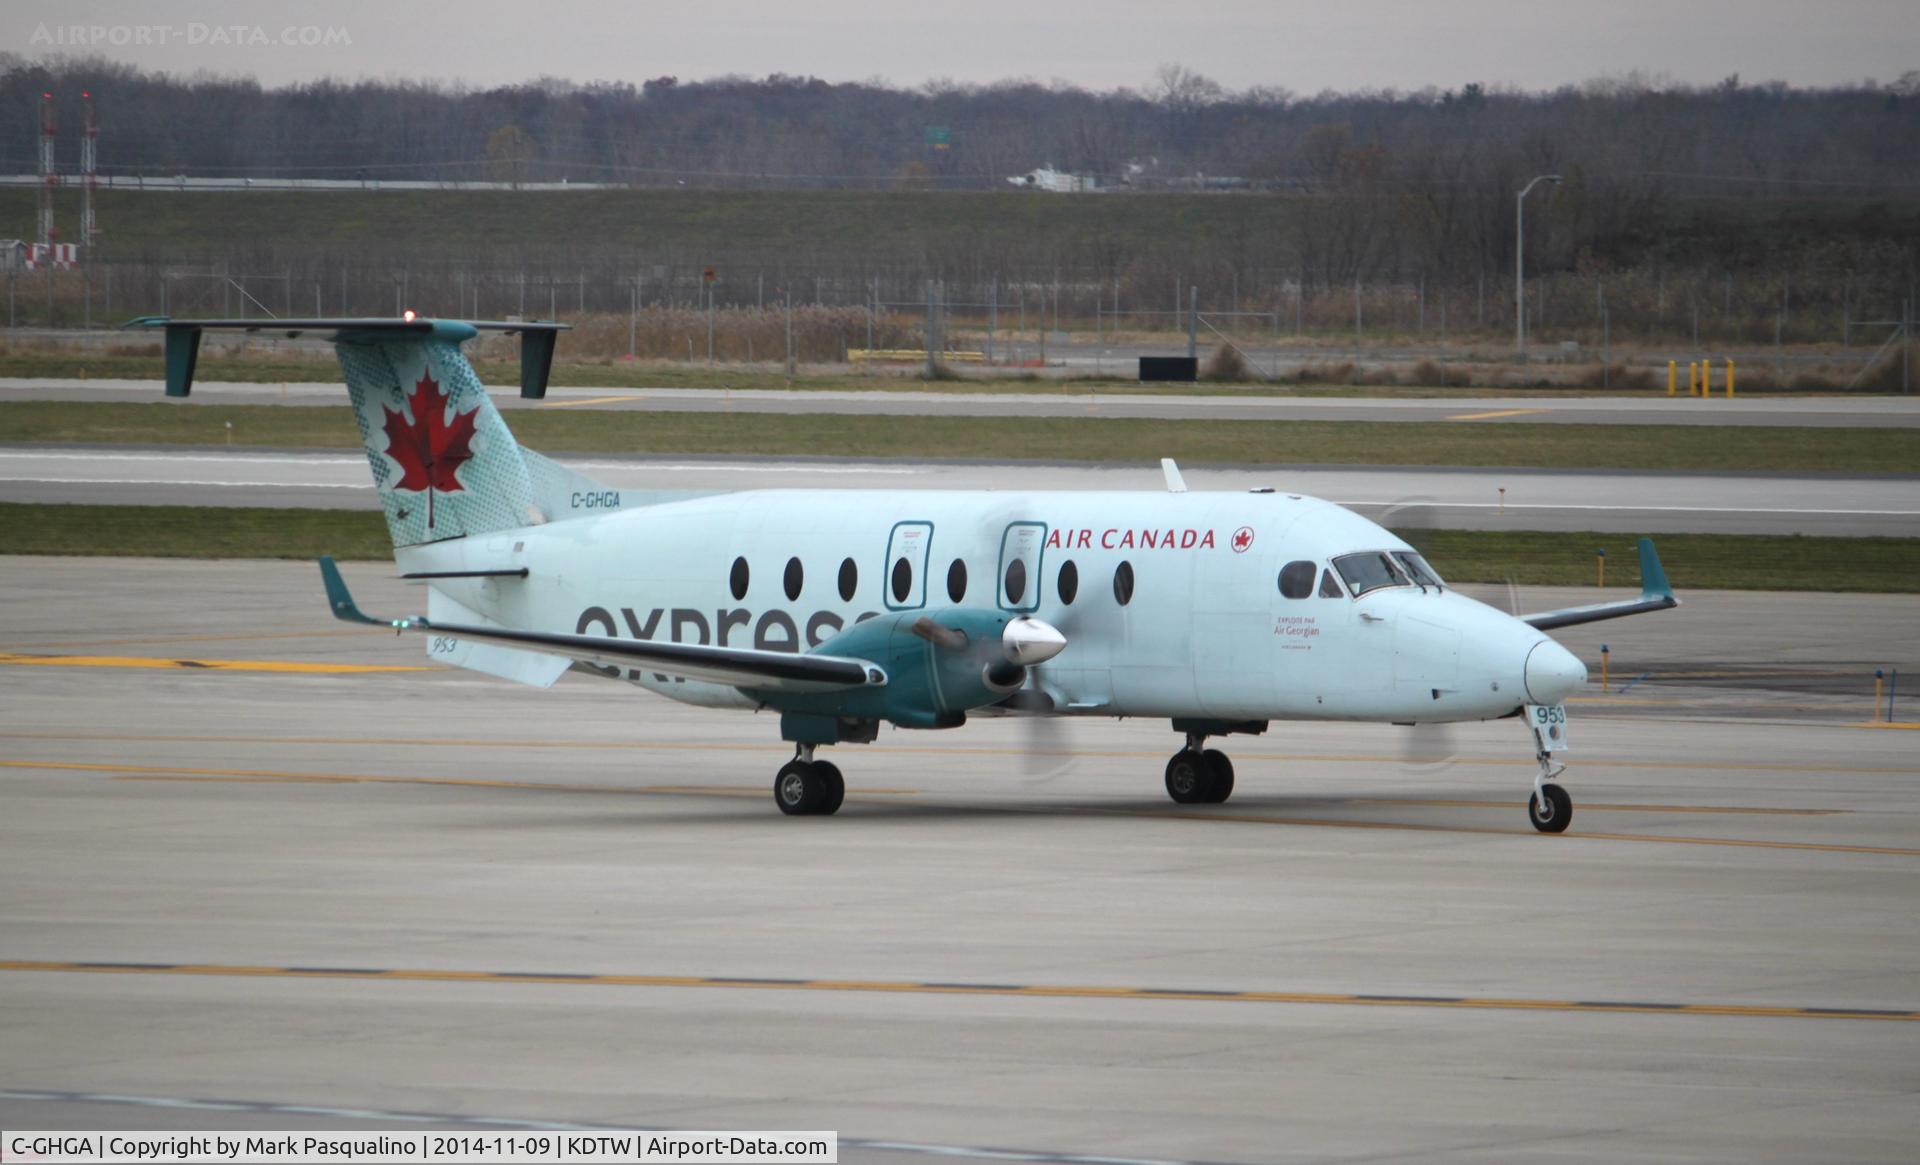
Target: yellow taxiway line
x,y
592,400
1494,413
924,987
16,659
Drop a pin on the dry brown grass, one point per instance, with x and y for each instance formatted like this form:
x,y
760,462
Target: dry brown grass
x,y
1227,364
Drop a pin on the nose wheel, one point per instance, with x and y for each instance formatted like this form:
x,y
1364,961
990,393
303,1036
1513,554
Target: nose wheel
x,y
1199,776
805,787
1550,809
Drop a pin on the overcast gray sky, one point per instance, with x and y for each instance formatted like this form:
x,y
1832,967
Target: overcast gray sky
x,y
1302,46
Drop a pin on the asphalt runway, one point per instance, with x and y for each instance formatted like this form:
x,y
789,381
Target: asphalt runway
x,y
1564,408
1475,499
246,886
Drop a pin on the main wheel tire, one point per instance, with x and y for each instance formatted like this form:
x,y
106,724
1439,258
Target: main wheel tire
x,y
1555,814
798,789
1219,775
1188,779
834,787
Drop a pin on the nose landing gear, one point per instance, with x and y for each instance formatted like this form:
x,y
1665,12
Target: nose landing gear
x,y
805,787
1549,808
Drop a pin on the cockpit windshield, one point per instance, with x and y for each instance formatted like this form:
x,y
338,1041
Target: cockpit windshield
x,y
1369,571
1372,569
1417,567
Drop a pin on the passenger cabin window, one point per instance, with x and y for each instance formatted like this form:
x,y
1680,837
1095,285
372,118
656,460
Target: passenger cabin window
x,y
1123,583
1330,587
1068,584
1416,566
849,579
1016,581
1369,571
957,580
902,579
737,578
1296,579
795,576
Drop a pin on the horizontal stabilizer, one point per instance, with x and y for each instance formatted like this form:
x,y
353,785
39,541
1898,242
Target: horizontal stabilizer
x,y
738,667
536,339
1656,594
522,667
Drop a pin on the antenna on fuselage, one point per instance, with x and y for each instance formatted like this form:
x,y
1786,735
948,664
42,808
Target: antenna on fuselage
x,y
1175,483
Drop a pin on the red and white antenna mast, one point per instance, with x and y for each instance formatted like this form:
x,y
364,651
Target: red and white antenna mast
x,y
89,171
48,178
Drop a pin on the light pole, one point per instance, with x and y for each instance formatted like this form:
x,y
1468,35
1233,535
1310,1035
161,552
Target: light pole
x,y
1519,262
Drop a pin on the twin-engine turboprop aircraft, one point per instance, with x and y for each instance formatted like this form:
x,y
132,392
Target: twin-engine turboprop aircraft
x,y
845,609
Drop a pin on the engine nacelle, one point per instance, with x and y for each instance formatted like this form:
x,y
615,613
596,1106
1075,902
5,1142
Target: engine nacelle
x,y
940,664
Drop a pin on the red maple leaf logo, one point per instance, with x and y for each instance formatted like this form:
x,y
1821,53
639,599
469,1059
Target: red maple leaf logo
x,y
431,449
1242,538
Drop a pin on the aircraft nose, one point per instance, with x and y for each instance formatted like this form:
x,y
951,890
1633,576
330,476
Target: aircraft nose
x,y
1553,673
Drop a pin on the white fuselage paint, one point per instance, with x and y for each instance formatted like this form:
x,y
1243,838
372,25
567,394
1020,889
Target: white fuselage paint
x,y
1206,633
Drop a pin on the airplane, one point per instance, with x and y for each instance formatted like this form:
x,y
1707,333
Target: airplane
x,y
842,610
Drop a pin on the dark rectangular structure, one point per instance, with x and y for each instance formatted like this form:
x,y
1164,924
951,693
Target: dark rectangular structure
x,y
1169,368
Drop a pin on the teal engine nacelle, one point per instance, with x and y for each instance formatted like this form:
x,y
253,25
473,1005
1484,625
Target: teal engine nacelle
x,y
939,665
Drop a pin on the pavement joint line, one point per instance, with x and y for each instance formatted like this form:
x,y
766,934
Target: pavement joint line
x,y
921,987
938,750
155,772
918,1148
164,772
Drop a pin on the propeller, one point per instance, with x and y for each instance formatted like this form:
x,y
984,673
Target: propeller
x,y
1424,748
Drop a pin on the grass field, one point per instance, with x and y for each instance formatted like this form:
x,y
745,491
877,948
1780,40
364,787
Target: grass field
x,y
1652,447
856,226
1707,561
321,368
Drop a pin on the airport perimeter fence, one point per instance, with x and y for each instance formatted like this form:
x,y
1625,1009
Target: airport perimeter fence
x,y
1278,322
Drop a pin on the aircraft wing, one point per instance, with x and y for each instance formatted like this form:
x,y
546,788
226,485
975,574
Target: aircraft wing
x,y
1655,595
694,661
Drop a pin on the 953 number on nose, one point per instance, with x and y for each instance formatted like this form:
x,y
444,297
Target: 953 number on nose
x,y
1549,724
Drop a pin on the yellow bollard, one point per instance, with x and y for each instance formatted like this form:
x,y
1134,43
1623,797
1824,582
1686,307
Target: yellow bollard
x,y
1673,376
1603,671
1879,685
1693,378
1729,377
1600,556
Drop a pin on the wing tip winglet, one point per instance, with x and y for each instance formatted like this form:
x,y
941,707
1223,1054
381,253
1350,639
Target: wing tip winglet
x,y
339,598
1653,576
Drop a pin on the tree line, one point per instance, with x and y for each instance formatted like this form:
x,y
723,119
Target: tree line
x,y
1377,183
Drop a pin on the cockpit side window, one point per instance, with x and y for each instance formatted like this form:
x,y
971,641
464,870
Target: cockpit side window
x,y
1369,571
1423,575
1296,579
1330,587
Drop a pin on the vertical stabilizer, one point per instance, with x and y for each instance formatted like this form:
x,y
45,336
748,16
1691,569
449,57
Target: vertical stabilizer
x,y
442,458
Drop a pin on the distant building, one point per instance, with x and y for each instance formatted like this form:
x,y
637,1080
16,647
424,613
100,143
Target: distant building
x,y
1049,179
13,254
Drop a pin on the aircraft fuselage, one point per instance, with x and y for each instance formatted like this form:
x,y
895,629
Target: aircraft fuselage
x,y
1172,604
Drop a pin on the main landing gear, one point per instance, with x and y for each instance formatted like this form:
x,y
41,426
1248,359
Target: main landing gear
x,y
805,787
1197,775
